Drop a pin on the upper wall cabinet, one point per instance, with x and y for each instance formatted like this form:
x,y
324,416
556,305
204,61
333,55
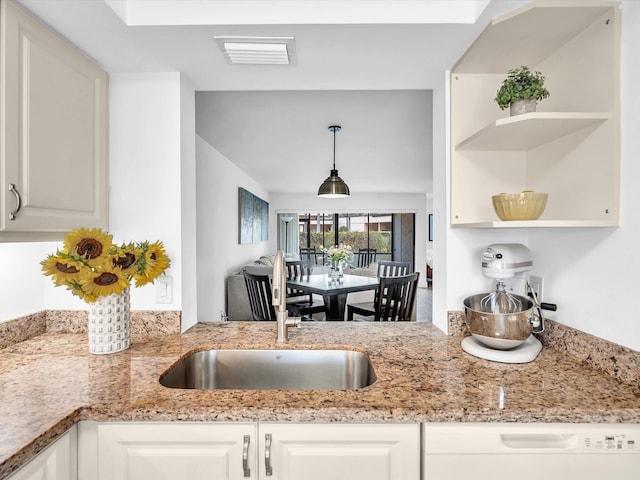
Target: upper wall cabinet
x,y
570,147
54,132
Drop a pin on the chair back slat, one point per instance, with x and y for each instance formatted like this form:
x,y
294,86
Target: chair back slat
x,y
393,269
396,298
296,270
259,292
366,256
309,254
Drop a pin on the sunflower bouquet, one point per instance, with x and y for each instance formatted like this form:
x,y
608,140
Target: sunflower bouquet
x,y
91,266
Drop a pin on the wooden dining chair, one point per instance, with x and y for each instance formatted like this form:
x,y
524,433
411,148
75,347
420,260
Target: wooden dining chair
x,y
397,298
259,292
393,269
299,303
366,256
309,254
385,269
296,270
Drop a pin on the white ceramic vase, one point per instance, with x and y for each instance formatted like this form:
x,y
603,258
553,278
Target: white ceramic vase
x,y
109,324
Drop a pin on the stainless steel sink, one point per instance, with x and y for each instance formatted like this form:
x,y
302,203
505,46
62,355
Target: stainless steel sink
x,y
271,370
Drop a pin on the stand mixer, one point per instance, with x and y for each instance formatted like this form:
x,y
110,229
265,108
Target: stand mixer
x,y
501,323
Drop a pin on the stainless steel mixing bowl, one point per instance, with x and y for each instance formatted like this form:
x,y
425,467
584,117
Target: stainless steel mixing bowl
x,y
499,330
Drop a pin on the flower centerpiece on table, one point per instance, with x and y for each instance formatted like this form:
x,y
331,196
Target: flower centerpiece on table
x,y
91,266
339,253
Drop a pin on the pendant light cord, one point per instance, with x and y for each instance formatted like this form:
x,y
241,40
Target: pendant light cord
x,y
334,148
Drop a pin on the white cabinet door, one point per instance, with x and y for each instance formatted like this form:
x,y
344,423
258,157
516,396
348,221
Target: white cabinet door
x,y
56,462
54,126
176,451
339,451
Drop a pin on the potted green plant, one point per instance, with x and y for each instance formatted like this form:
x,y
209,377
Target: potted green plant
x,y
521,90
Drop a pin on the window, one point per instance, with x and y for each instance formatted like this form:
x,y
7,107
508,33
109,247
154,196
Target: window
x,y
360,230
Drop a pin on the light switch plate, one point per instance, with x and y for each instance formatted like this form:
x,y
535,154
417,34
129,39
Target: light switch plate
x,y
537,283
164,289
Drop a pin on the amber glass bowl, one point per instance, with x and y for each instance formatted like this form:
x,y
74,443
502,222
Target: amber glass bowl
x,y
526,205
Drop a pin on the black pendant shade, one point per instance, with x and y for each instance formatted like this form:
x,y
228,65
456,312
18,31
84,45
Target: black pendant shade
x,y
334,186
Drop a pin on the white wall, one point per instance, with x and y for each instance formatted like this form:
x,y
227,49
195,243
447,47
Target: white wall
x,y
218,250
441,229
429,245
363,202
146,137
592,273
456,252
589,273
145,156
21,280
188,204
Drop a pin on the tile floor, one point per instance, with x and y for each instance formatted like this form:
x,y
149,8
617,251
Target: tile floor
x,y
424,304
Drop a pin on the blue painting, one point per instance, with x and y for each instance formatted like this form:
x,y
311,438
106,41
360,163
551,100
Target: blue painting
x,y
254,218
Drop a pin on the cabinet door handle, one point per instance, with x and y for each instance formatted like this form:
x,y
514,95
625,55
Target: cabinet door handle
x,y
245,456
267,455
12,189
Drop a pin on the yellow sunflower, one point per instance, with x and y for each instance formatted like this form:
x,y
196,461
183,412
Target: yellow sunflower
x,y
126,258
153,262
103,280
91,266
89,244
75,287
62,269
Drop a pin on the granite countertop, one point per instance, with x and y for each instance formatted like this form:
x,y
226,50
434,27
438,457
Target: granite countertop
x,y
50,382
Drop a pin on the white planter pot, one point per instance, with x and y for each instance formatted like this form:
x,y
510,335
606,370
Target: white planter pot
x,y
522,106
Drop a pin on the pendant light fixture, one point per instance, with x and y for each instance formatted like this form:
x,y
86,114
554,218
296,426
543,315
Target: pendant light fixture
x,y
334,186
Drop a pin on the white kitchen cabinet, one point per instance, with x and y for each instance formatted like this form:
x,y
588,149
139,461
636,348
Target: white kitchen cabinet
x,y
570,147
54,130
267,451
57,462
339,451
169,451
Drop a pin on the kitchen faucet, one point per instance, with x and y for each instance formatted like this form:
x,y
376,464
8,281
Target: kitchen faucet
x,y
279,298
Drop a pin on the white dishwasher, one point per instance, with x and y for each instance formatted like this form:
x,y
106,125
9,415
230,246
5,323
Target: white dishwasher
x,y
512,451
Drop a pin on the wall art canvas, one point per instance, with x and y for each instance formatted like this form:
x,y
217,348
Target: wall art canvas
x,y
254,218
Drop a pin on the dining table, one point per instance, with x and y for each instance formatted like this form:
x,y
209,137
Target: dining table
x,y
334,292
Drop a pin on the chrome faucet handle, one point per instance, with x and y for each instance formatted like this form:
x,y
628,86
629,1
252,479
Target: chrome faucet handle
x,y
279,294
293,322
285,323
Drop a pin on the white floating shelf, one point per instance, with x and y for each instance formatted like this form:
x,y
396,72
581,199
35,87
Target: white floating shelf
x,y
537,224
530,130
530,34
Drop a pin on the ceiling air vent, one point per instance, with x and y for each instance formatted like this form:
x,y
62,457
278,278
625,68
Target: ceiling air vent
x,y
258,50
